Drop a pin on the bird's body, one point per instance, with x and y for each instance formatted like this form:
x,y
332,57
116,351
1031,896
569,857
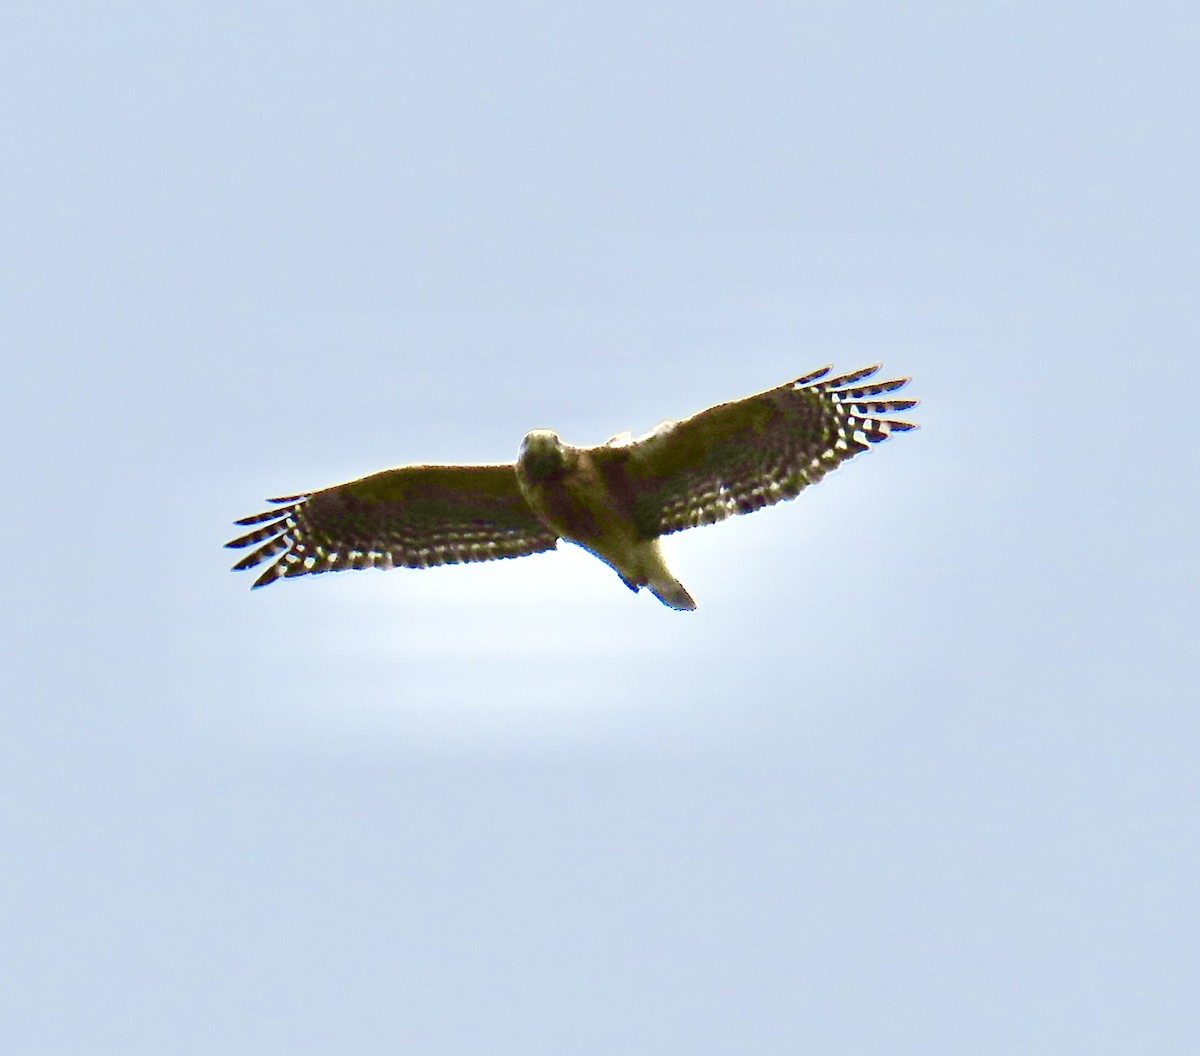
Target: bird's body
x,y
616,499
575,492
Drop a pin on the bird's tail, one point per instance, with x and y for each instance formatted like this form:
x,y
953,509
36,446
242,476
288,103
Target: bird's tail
x,y
642,565
670,592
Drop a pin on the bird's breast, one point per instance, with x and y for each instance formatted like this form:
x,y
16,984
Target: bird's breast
x,y
580,506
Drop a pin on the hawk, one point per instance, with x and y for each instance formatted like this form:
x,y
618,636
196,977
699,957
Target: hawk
x,y
615,500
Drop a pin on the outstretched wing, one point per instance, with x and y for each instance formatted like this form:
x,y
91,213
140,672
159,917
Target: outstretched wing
x,y
413,517
741,456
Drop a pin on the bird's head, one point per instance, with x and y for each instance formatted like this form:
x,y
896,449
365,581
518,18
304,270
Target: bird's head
x,y
542,456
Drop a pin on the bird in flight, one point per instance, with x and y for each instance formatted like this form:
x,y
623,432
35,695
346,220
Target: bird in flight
x,y
615,500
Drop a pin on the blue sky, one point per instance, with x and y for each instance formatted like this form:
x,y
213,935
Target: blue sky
x,y
919,775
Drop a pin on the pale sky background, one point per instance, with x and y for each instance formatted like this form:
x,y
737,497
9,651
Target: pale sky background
x,y
922,773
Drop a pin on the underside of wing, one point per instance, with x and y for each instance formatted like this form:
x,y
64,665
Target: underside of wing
x,y
411,517
740,456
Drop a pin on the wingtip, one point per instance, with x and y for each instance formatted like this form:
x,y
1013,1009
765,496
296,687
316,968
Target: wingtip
x,y
854,377
266,579
813,375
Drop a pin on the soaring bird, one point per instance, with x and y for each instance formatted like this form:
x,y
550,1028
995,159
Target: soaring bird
x,y
615,500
